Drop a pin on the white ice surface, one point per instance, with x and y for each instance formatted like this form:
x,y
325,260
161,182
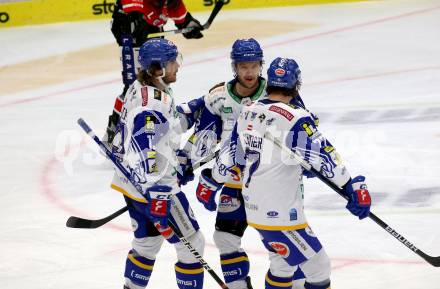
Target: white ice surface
x,y
370,70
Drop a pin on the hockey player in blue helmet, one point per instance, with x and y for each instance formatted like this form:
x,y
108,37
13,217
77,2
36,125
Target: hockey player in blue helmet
x,y
273,190
160,61
223,104
146,141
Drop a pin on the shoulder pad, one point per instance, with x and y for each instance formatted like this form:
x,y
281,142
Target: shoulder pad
x,y
221,84
293,106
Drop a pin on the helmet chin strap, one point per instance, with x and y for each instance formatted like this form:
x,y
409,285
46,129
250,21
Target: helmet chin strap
x,y
166,87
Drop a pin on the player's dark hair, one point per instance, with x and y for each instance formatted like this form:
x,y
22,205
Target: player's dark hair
x,y
146,77
293,92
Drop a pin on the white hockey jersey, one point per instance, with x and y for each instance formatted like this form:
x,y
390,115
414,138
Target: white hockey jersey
x,y
214,125
146,140
222,108
272,181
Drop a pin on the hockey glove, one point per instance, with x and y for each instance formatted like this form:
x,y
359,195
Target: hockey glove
x,y
159,198
191,110
159,206
308,174
359,198
185,174
191,22
138,27
207,189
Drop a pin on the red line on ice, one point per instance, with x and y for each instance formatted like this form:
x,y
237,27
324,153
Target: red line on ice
x,y
47,185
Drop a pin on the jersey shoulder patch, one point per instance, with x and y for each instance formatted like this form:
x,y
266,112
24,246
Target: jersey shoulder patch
x,y
281,111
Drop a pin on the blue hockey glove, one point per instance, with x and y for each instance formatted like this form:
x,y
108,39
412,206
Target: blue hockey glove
x,y
308,174
359,198
185,174
159,204
207,189
191,110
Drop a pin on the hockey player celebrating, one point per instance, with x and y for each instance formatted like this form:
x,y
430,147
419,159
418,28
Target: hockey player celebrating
x,y
133,21
278,213
146,140
222,107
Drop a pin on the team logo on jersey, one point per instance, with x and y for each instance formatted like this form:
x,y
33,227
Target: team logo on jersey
x,y
293,214
280,72
228,204
227,109
150,123
144,92
281,248
281,111
270,121
262,117
308,128
157,94
272,214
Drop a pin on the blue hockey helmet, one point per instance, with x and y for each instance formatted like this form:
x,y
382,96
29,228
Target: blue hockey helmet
x,y
244,50
157,50
283,72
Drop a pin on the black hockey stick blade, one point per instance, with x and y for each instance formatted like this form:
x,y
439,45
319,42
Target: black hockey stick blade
x,y
434,261
218,6
80,223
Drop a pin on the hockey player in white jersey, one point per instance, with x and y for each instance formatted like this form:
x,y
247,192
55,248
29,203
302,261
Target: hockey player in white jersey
x,y
145,143
273,190
223,105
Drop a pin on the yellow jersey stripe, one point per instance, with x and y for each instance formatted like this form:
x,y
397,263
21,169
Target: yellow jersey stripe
x,y
139,264
233,186
279,284
234,260
125,193
188,271
278,228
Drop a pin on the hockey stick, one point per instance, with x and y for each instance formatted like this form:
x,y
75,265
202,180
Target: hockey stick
x,y
81,223
218,6
434,261
122,169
